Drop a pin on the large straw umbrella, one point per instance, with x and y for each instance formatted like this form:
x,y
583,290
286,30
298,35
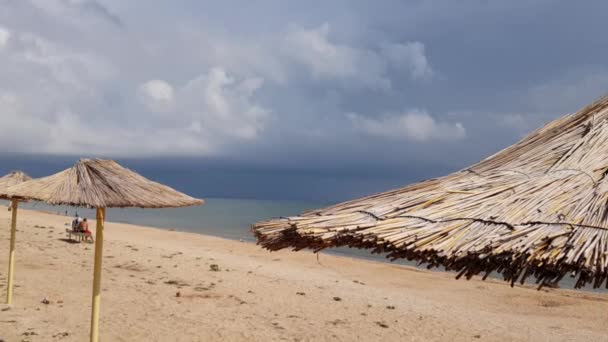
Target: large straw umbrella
x,y
100,184
13,178
537,208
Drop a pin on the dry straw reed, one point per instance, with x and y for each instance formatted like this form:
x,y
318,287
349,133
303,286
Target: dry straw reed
x,y
100,183
11,179
538,208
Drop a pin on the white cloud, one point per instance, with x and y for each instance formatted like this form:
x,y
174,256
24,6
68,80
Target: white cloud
x,y
58,103
210,111
61,64
156,95
248,58
219,104
327,60
15,117
356,66
5,34
58,132
81,86
414,125
410,56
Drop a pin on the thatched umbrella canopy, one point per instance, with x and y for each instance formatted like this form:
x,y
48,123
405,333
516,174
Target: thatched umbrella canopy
x,y
537,208
100,184
11,179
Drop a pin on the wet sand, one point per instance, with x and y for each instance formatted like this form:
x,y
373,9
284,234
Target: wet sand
x,y
161,285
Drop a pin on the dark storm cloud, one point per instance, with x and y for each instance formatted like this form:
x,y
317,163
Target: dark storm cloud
x,y
392,85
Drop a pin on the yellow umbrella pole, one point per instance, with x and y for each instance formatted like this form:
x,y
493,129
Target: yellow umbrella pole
x,y
101,213
11,256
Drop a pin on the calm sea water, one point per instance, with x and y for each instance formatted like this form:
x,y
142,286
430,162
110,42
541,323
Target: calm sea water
x,y
226,218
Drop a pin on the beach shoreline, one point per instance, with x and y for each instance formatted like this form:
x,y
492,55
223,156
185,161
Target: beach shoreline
x,y
161,284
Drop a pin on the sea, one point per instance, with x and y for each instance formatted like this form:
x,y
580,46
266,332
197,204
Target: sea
x,y
225,218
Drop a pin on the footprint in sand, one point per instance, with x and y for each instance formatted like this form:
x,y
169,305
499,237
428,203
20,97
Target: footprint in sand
x,y
382,324
549,303
277,326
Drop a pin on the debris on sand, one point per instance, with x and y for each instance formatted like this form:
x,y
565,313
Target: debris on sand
x,y
176,282
382,324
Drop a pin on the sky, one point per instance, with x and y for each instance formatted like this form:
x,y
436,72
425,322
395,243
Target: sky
x,y
315,100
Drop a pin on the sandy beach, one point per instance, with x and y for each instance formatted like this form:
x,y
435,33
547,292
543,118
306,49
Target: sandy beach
x,y
162,285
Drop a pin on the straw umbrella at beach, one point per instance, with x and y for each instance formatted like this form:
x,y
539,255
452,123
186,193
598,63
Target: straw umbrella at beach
x,y
13,178
537,208
100,184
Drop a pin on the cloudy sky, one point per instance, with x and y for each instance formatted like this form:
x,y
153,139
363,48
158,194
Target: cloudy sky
x,y
305,85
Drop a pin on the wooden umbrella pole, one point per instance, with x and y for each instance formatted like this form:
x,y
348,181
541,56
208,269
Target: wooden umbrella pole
x,y
101,213
11,256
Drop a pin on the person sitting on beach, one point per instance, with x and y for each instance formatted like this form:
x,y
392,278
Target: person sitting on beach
x,y
84,226
76,223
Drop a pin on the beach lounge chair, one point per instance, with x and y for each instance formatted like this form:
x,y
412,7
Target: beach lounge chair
x,y
79,236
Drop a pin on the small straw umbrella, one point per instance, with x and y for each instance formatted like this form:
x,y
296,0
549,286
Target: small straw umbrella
x,y
537,208
100,184
13,178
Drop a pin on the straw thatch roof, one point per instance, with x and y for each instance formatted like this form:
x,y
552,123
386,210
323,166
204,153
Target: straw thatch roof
x,y
12,178
102,184
538,208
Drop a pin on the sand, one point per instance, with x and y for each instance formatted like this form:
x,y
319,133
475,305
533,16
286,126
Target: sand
x,y
159,285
